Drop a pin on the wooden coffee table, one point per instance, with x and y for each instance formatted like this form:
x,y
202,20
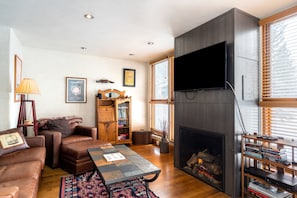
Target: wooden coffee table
x,y
132,166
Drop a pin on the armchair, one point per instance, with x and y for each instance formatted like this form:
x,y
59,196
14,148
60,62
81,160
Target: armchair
x,y
62,130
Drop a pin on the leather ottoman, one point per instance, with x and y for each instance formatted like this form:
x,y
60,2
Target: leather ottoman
x,y
75,158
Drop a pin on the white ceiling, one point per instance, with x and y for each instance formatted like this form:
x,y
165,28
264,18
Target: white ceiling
x,y
120,27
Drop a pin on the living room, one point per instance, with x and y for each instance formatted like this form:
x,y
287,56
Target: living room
x,y
49,68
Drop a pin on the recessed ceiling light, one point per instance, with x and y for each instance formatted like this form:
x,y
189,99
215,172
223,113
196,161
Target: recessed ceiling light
x,y
89,16
83,49
150,43
131,54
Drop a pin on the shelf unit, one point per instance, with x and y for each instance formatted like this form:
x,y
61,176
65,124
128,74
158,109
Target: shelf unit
x,y
114,116
255,157
22,121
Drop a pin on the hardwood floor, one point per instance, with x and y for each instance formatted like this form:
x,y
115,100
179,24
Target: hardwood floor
x,y
172,182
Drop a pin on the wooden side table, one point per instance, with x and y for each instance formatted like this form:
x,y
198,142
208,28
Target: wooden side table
x,y
22,116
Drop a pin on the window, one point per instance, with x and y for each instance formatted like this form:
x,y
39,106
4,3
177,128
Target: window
x,y
162,98
279,75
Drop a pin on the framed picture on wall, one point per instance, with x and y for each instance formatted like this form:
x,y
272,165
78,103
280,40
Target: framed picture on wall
x,y
17,76
76,90
129,77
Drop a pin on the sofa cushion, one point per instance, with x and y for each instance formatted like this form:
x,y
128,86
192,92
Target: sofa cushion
x,y
72,120
28,186
12,140
75,138
20,170
60,125
78,150
9,192
31,154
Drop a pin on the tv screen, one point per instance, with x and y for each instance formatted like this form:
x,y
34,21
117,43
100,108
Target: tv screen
x,y
202,69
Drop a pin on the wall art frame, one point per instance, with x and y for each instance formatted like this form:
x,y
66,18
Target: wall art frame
x,y
76,90
129,77
18,66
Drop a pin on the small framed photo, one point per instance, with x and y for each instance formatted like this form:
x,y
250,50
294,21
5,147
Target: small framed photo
x,y
76,90
17,76
129,77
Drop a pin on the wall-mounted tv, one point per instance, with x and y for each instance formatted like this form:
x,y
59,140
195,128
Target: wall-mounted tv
x,y
202,69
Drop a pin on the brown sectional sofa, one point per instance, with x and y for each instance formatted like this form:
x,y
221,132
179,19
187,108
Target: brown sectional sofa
x,y
21,167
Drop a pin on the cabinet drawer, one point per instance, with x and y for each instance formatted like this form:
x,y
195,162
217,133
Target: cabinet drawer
x,y
106,114
107,131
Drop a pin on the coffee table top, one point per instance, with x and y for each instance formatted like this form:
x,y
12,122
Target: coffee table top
x,y
132,166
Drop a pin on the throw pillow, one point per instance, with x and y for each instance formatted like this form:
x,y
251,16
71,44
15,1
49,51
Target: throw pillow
x,y
60,125
12,140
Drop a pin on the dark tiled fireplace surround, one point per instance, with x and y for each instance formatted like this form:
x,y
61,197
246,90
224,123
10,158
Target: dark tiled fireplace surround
x,y
192,141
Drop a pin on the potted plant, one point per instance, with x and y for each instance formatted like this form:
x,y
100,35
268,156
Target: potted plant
x,y
164,144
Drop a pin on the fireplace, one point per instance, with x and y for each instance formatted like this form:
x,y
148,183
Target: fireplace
x,y
202,155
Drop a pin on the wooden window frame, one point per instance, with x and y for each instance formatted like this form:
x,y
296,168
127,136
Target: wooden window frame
x,y
169,100
266,101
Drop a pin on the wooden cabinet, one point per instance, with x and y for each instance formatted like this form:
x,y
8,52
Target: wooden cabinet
x,y
114,116
106,120
266,169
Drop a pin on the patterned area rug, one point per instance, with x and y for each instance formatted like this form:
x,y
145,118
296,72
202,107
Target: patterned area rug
x,y
72,186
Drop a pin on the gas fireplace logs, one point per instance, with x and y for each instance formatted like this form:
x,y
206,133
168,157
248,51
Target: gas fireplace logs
x,y
206,166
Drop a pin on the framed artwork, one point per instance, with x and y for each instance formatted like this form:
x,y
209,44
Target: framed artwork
x,y
76,90
129,77
17,76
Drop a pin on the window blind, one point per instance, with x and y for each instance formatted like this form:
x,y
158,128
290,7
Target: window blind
x,y
279,76
280,60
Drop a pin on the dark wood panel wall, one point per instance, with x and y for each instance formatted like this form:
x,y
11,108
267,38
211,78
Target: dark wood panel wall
x,y
216,110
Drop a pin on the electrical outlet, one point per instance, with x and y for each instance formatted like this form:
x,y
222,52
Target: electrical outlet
x,y
247,88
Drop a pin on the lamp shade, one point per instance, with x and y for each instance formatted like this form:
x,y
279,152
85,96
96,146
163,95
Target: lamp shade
x,y
27,86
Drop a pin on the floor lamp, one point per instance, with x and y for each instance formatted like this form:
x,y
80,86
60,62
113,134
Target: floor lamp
x,y
26,87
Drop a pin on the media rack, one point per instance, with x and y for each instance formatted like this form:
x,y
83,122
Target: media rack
x,y
264,160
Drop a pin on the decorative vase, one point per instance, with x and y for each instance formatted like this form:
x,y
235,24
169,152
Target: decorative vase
x,y
164,145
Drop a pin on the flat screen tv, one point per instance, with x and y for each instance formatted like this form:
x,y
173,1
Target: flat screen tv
x,y
202,69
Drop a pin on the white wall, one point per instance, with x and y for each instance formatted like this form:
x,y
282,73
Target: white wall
x,y
4,78
49,69
15,48
9,45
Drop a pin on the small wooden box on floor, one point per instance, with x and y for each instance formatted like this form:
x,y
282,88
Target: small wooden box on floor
x,y
141,137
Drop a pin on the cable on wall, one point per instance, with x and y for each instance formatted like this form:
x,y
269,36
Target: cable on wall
x,y
238,107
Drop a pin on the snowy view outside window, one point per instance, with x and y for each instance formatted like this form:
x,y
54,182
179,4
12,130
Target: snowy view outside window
x,y
284,58
161,92
283,78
